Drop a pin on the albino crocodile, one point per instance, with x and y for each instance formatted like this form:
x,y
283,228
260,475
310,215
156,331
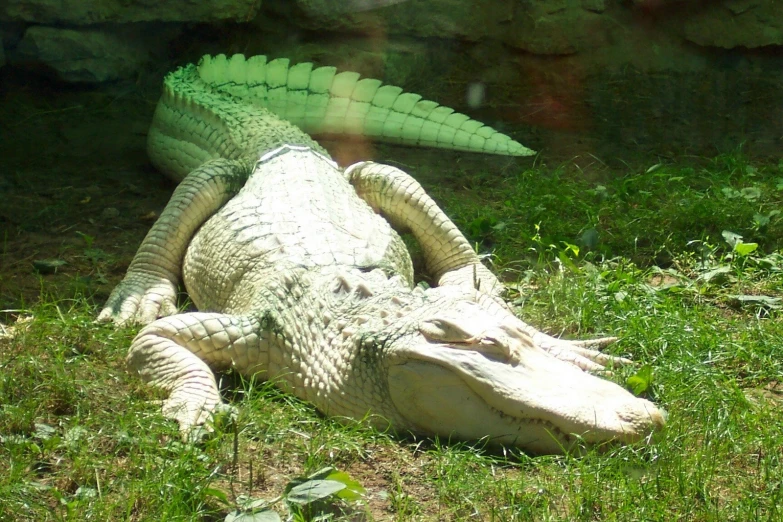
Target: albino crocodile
x,y
300,278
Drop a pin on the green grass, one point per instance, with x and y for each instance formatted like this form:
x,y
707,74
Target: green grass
x,y
80,439
649,216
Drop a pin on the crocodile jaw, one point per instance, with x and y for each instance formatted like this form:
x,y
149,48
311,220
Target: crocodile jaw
x,y
541,404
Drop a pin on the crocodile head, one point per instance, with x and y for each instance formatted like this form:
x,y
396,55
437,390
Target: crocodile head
x,y
464,373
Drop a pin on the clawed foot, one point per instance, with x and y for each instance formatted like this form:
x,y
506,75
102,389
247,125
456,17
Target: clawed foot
x,y
140,298
198,423
583,354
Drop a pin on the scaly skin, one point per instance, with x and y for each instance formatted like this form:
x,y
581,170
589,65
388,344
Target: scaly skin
x,y
305,284
217,110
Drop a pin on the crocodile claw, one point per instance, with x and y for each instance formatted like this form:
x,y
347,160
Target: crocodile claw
x,y
140,298
583,353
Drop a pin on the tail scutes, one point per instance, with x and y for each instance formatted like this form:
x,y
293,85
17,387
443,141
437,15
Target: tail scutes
x,y
323,101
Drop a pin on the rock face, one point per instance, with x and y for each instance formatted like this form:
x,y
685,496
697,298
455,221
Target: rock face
x,y
431,19
560,27
79,12
603,33
87,55
551,27
737,23
537,26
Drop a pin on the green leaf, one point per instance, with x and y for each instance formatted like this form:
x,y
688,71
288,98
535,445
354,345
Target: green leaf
x,y
641,380
322,473
353,490
599,191
772,261
716,275
48,266
732,238
246,503
773,303
589,238
751,193
745,249
761,220
568,247
261,516
313,490
566,261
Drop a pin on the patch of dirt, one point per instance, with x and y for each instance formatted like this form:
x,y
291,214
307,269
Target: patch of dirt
x,y
76,187
770,395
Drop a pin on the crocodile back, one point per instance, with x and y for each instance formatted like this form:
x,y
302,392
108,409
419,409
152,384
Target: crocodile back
x,y
296,212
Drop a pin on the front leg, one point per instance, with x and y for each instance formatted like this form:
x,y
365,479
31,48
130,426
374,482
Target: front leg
x,y
449,257
149,289
179,353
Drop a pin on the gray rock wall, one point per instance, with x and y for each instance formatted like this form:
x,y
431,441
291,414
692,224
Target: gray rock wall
x,y
87,54
736,23
86,12
647,34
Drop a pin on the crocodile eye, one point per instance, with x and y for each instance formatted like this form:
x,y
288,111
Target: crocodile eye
x,y
444,330
500,342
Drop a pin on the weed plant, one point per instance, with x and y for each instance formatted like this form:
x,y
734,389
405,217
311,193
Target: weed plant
x,y
682,263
